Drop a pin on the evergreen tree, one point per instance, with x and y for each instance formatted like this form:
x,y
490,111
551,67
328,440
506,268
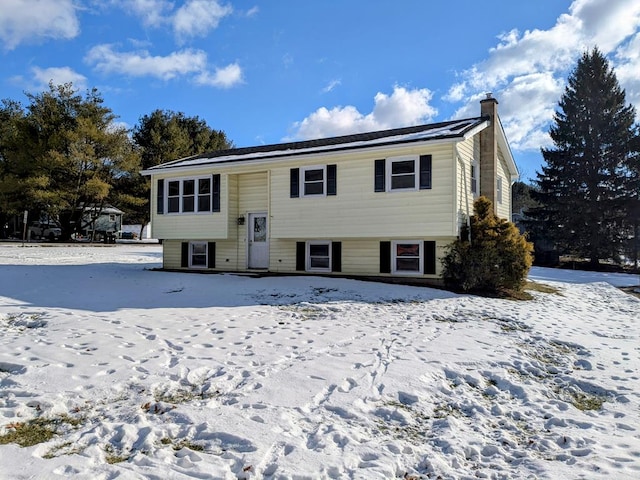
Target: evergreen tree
x,y
584,187
490,256
160,137
62,152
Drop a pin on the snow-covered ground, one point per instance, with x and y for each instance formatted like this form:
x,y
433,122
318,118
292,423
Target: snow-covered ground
x,y
155,375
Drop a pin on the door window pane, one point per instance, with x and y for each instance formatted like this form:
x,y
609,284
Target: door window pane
x,y
259,229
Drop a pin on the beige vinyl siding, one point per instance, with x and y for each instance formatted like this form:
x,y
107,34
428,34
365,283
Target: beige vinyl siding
x,y
253,197
359,256
212,225
358,211
503,209
468,151
253,192
171,254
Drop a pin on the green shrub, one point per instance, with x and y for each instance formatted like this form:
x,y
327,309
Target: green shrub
x,y
491,256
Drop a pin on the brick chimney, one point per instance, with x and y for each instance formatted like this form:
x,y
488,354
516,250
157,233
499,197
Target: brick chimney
x,y
489,149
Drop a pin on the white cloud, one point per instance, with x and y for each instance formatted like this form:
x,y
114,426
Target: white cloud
x,y
527,72
627,65
402,108
189,63
253,11
151,12
332,84
141,63
58,76
225,77
197,17
35,20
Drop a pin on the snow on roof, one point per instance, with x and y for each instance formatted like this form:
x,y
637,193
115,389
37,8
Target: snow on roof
x,y
436,131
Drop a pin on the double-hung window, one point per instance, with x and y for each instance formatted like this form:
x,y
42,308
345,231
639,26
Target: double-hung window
x,y
188,195
198,254
318,256
407,257
406,173
403,173
314,181
474,178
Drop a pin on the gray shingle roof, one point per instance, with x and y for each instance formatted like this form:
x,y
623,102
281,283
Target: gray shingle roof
x,y
435,131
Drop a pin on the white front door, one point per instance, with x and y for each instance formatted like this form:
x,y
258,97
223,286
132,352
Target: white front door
x,y
258,241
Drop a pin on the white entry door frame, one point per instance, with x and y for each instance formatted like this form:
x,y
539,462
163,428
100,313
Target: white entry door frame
x,y
258,240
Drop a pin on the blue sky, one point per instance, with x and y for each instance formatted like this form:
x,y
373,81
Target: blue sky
x,y
267,71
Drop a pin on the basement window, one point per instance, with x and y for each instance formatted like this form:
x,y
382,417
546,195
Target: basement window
x,y
318,256
198,254
407,257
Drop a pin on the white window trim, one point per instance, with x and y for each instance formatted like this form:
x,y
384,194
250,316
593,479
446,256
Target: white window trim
x,y
324,180
308,256
499,191
394,250
180,195
206,254
416,171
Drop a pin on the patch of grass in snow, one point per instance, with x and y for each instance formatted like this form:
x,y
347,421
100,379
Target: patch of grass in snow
x,y
111,456
66,448
180,395
303,312
541,288
446,410
25,321
414,431
585,401
38,430
180,444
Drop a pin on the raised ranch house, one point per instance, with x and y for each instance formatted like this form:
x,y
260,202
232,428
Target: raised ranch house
x,y
383,203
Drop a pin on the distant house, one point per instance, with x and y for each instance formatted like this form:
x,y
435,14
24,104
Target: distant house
x,y
383,203
103,220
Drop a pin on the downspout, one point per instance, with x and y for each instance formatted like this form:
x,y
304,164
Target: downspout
x,y
465,189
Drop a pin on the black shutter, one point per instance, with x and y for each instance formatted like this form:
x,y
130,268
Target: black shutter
x,y
332,184
211,255
294,183
301,252
336,256
184,260
160,197
385,257
429,256
378,182
215,192
425,172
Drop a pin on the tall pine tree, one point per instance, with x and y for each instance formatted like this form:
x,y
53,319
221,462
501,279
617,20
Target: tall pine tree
x,y
584,187
162,136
